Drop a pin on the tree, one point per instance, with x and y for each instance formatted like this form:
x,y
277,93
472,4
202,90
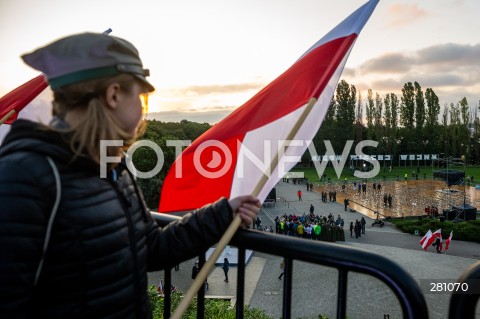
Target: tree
x,y
370,113
378,122
433,107
326,131
393,133
387,116
145,158
476,136
407,118
346,96
359,119
394,110
432,129
407,109
463,129
419,106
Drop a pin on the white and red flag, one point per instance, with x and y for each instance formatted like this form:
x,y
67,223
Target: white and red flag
x,y
449,240
13,102
431,240
246,152
424,240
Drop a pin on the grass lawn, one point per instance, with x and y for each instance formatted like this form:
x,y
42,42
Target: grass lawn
x,y
424,171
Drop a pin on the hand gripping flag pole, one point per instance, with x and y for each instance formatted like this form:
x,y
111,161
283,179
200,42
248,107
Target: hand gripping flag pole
x,y
300,96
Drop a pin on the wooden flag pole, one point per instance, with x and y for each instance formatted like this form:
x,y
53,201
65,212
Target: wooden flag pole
x,y
233,227
7,116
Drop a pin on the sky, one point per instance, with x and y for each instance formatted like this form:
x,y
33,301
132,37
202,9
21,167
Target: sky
x,y
208,57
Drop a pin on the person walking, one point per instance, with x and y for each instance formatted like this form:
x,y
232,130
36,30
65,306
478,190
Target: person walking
x,y
299,194
195,270
77,237
282,267
345,203
362,223
351,230
226,267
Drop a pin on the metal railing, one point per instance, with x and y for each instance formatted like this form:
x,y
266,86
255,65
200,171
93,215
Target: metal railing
x,y
345,259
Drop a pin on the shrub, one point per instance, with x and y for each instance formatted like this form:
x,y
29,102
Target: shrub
x,y
214,308
467,230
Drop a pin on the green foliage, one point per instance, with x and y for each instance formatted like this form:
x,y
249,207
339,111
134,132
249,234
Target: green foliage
x,y
145,159
419,106
214,308
407,110
311,173
467,230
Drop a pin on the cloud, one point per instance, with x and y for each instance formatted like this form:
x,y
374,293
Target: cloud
x,y
214,108
209,116
448,56
403,14
388,63
450,69
197,90
458,54
440,65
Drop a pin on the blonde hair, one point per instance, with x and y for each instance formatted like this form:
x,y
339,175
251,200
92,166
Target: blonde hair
x,y
95,121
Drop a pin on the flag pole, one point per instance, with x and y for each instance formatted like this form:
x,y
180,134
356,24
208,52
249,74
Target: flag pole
x,y
7,116
233,227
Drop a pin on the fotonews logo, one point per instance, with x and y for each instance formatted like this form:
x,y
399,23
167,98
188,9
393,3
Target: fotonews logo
x,y
214,159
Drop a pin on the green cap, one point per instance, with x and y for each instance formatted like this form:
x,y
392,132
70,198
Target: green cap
x,y
85,57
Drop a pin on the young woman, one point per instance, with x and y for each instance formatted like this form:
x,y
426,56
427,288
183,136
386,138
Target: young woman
x,y
76,244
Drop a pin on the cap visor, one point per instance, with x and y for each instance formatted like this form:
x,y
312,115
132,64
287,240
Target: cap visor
x,y
144,81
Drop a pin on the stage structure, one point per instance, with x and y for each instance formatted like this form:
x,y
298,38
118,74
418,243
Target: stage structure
x,y
451,177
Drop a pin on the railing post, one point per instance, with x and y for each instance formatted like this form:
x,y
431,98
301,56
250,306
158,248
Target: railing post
x,y
240,283
167,293
201,292
287,289
342,294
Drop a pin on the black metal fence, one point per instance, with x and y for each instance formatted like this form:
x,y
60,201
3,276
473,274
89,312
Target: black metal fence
x,y
344,259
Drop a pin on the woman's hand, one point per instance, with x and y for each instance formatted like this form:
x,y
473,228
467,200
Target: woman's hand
x,y
247,207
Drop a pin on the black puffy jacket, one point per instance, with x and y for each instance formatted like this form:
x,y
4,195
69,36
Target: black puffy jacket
x,y
103,239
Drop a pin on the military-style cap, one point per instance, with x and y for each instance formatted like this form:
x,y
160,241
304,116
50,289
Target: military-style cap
x,y
85,57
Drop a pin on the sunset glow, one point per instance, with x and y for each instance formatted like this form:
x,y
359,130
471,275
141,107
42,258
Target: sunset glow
x,y
206,58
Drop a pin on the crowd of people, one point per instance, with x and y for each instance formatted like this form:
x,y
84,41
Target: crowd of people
x,y
311,226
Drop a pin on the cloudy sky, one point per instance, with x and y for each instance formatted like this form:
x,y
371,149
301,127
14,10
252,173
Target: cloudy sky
x,y
208,57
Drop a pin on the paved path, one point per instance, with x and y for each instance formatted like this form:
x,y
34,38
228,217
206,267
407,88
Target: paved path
x,y
314,288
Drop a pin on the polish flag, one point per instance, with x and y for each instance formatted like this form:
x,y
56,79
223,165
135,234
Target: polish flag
x,y
447,242
424,240
431,239
13,102
247,152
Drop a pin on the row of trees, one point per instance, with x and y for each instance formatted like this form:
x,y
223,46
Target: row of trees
x,y
410,124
